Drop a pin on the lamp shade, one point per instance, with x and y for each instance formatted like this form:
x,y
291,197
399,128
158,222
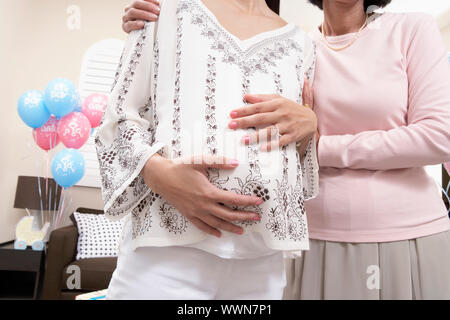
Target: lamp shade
x,y
29,197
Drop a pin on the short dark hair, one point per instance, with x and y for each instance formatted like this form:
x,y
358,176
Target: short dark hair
x,y
274,5
367,3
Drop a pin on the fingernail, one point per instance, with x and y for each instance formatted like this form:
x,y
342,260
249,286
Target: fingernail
x,y
233,125
256,218
246,139
233,114
260,201
240,231
234,163
218,235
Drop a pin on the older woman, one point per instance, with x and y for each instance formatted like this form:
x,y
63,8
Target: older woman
x,y
379,228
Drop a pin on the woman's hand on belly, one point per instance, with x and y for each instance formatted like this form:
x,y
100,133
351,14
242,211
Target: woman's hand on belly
x,y
184,184
294,122
138,12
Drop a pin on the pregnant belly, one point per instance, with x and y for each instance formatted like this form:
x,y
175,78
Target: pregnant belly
x,y
262,174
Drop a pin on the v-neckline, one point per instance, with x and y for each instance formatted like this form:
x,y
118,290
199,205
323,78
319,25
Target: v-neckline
x,y
243,44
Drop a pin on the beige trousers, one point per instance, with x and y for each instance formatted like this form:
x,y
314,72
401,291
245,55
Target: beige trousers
x,y
410,269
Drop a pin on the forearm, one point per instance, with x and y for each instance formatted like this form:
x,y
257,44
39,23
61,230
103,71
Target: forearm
x,y
404,147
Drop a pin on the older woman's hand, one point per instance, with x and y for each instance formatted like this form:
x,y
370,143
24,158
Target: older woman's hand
x,y
138,12
294,122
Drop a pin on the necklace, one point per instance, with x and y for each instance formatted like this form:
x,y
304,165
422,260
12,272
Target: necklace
x,y
348,44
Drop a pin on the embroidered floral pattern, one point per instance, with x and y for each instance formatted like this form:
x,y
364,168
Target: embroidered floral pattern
x,y
171,219
210,109
155,89
306,178
257,58
176,122
253,184
310,71
286,218
145,108
117,74
300,78
122,153
129,73
141,223
210,120
307,172
277,215
142,218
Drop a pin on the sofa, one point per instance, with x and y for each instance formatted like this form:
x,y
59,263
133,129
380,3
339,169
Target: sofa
x,y
96,273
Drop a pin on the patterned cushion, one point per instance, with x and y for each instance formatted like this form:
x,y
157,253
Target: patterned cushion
x,y
97,236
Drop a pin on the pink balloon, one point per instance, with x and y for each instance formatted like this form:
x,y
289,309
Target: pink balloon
x,y
74,130
93,107
46,137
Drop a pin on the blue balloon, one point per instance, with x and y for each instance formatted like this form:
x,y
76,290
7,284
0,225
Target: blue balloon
x,y
61,97
68,167
32,109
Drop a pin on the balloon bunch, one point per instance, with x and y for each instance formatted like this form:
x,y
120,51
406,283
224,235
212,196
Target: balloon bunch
x,y
58,115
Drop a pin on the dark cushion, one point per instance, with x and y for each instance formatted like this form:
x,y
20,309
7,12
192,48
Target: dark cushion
x,y
95,275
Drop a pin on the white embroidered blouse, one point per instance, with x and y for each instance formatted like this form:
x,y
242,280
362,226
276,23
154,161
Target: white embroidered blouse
x,y
177,82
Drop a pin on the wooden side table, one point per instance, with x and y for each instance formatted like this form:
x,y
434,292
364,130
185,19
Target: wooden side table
x,y
21,272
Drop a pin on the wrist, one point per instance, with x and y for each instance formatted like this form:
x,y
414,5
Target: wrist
x,y
155,164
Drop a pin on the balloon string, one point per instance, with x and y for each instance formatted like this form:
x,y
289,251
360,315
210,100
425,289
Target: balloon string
x,y
58,217
65,206
46,180
49,204
56,198
69,204
50,208
40,192
40,199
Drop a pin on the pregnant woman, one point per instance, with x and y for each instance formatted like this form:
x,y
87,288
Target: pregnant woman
x,y
211,216
379,228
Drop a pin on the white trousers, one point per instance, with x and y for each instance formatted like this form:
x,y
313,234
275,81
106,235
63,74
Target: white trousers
x,y
182,273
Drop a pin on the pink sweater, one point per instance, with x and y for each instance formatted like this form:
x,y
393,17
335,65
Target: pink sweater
x,y
384,113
